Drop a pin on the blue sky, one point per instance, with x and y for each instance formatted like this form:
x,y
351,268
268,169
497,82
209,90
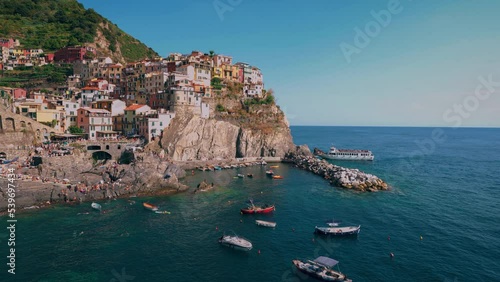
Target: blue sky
x,y
421,67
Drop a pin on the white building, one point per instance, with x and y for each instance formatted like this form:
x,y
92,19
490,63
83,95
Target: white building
x,y
71,109
153,125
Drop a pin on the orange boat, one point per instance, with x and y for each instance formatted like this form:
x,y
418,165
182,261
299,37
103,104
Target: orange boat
x,y
277,177
150,207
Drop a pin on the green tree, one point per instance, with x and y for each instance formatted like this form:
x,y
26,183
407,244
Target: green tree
x,y
75,130
220,108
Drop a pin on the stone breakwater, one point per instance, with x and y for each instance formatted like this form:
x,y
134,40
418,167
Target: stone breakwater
x,y
337,175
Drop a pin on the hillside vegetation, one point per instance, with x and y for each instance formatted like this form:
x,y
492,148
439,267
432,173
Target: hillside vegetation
x,y
53,24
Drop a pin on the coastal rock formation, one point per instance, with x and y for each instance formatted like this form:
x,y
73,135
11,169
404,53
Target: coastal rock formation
x,y
336,175
74,178
190,137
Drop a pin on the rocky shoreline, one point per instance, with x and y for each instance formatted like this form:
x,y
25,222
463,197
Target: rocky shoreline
x,y
336,175
76,179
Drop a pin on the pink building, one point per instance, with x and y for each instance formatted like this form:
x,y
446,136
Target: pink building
x,y
8,43
97,123
19,93
49,57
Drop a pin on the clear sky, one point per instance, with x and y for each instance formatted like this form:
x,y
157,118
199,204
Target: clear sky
x,y
342,62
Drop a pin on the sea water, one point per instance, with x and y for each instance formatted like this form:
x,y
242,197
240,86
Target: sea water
x,y
440,219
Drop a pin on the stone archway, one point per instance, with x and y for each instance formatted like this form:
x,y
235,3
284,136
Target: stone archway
x,y
10,125
23,124
101,155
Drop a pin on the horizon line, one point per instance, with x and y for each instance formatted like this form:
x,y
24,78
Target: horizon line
x,y
404,126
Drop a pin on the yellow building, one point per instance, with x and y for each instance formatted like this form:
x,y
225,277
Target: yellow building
x,y
217,72
56,118
230,73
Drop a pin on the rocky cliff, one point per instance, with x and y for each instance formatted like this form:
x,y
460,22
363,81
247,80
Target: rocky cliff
x,y
240,132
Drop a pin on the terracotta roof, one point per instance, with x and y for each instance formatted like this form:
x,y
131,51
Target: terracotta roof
x,y
90,88
134,107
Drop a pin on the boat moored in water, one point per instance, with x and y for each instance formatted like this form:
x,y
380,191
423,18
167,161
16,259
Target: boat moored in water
x,y
333,223
265,223
269,172
277,177
338,231
236,242
96,206
321,268
345,154
256,209
150,207
250,175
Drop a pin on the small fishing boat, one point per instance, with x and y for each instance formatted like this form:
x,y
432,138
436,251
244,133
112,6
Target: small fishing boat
x,y
255,209
274,166
240,175
150,207
96,206
321,268
265,223
236,242
338,231
217,168
269,172
250,175
277,177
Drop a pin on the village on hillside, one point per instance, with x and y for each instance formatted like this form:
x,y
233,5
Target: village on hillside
x,y
103,100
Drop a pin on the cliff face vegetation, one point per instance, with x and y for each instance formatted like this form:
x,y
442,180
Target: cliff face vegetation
x,y
53,24
235,130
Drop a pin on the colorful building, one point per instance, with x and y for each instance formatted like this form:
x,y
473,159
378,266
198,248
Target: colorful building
x,y
71,54
151,126
130,114
97,123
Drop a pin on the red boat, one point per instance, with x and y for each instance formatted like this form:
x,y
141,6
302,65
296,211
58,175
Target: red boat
x,y
150,207
253,209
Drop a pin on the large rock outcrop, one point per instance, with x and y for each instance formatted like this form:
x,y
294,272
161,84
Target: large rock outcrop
x,y
190,137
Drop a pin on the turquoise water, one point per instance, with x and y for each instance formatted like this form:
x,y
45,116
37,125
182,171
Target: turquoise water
x,y
447,193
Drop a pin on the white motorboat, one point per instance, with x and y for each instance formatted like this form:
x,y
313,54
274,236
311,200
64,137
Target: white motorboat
x,y
96,206
236,242
321,268
265,223
339,231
